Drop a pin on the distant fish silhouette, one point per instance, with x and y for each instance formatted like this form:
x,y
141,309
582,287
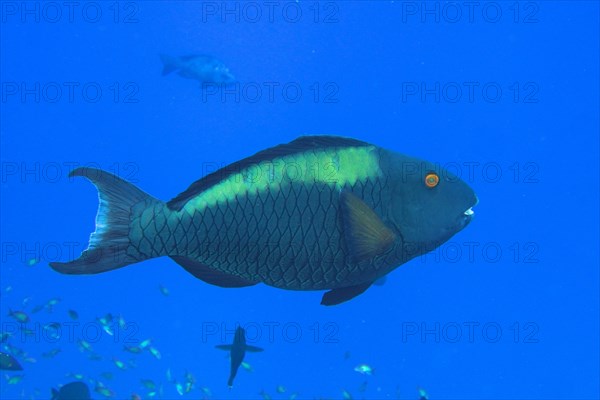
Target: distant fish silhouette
x,y
72,391
205,69
237,351
9,363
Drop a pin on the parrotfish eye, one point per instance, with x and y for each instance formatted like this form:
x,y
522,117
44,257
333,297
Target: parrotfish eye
x,y
432,179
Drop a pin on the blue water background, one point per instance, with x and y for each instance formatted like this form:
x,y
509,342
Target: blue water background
x,y
534,307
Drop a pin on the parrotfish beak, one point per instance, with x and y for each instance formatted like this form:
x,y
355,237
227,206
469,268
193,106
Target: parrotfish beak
x,y
469,213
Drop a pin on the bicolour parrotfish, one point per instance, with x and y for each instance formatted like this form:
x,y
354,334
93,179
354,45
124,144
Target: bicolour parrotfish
x,y
203,68
318,213
237,351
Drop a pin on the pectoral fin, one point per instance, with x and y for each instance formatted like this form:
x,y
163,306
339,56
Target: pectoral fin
x,y
253,349
366,235
337,296
226,347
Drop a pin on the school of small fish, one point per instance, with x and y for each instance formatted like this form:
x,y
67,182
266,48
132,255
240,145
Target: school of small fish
x,y
14,360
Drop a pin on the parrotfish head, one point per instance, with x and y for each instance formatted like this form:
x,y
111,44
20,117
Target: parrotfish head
x,y
429,204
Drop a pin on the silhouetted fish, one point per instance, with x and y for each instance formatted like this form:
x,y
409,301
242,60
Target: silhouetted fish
x,y
9,363
318,213
205,69
72,391
237,351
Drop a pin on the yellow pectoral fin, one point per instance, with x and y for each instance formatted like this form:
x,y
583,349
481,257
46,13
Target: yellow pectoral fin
x,y
366,235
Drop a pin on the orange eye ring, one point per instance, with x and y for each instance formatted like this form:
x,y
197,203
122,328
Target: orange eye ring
x,y
432,180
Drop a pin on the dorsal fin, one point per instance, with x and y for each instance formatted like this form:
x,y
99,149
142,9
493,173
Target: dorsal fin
x,y
192,56
298,145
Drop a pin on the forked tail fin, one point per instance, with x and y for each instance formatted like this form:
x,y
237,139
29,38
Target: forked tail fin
x,y
109,246
170,64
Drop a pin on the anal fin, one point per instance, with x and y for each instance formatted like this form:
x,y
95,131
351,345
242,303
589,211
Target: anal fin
x,y
212,276
340,295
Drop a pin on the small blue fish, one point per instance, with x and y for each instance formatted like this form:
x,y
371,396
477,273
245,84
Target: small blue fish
x,y
205,69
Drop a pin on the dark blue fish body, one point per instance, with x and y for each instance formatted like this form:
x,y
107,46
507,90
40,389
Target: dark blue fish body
x,y
237,352
72,391
9,363
205,69
319,213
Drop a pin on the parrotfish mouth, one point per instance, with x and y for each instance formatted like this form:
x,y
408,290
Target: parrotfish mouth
x,y
467,216
469,213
